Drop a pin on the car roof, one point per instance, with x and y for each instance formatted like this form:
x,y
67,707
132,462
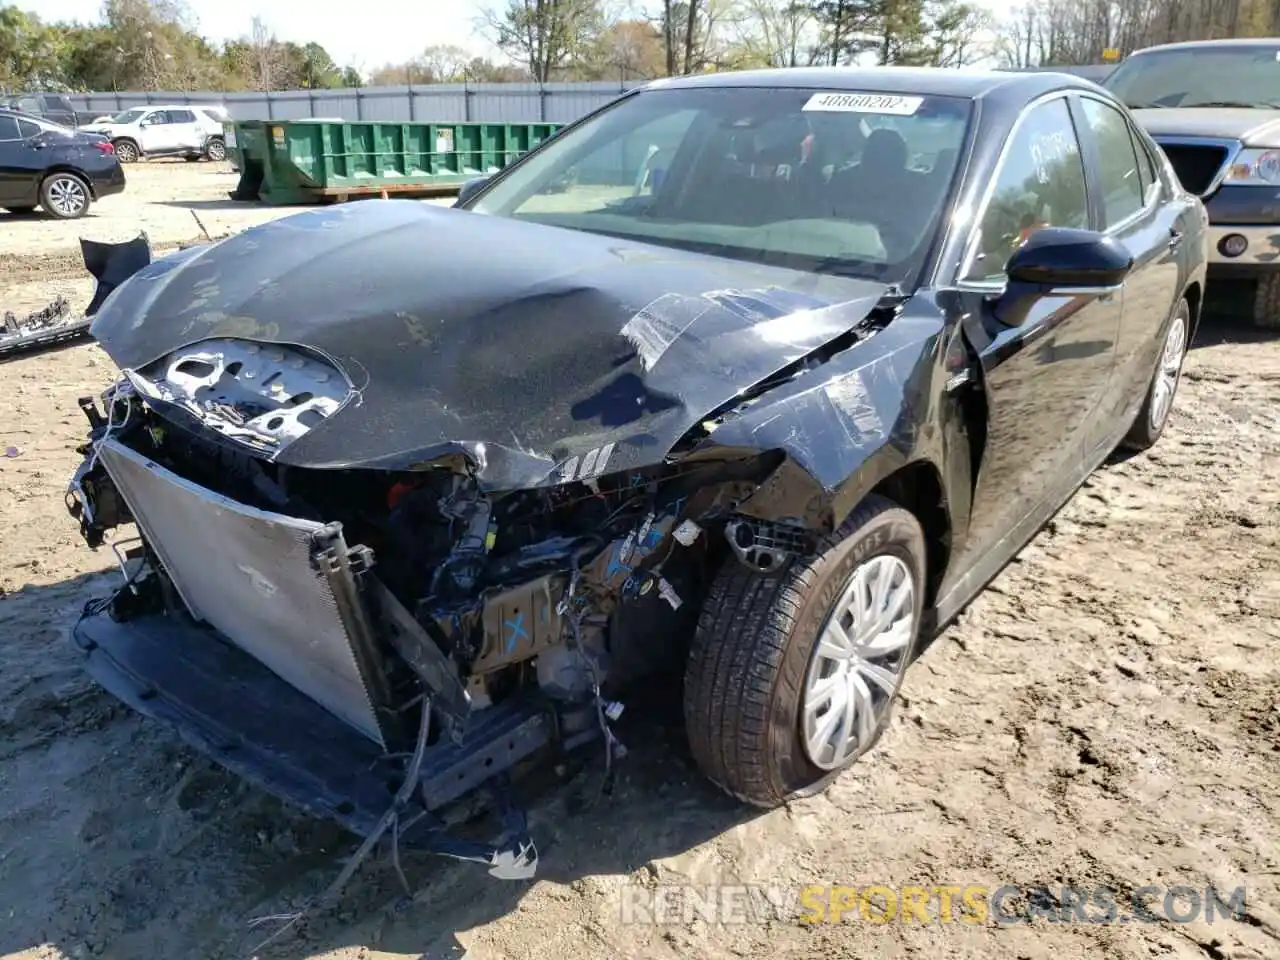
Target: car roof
x,y
927,81
1262,43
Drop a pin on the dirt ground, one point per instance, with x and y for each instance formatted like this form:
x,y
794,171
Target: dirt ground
x,y
1107,714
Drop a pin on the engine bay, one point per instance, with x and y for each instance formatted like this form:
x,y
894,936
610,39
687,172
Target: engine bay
x,y
571,591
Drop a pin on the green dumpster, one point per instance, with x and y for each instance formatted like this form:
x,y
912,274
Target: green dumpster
x,y
318,161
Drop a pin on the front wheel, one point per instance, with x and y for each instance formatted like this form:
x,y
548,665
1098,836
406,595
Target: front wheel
x,y
216,150
793,674
1156,407
65,196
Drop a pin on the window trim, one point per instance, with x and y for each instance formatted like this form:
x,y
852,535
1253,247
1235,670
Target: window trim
x,y
19,138
1151,198
975,225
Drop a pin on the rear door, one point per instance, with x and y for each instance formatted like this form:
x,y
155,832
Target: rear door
x,y
1044,378
187,131
1136,210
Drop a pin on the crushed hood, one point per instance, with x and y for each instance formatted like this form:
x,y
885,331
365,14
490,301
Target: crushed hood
x,y
1259,128
529,349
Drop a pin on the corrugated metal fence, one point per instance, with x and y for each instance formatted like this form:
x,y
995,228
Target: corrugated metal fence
x,y
491,102
450,103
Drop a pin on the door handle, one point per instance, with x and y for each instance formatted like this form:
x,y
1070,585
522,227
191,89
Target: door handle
x,y
1175,238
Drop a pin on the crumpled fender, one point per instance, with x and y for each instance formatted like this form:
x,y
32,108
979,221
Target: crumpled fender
x,y
846,425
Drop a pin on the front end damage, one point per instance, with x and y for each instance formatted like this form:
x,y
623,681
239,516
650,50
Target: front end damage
x,y
345,591
315,631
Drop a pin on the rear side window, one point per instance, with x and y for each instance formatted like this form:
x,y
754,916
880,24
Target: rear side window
x,y
1040,184
29,104
1121,183
9,129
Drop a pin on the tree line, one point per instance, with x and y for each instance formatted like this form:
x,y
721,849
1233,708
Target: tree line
x,y
153,45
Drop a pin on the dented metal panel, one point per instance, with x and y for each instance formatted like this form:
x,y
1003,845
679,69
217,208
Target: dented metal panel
x,y
560,365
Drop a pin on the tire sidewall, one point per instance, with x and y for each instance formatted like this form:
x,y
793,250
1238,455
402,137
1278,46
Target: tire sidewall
x,y
131,151
51,209
1153,432
892,532
216,146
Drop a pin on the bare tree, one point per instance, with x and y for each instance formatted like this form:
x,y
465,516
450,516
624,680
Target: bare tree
x,y
445,63
545,35
265,55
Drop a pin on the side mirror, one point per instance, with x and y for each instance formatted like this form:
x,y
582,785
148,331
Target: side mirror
x,y
470,189
1061,262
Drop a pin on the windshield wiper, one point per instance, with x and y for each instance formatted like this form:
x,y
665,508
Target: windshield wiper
x,y
1238,104
1146,106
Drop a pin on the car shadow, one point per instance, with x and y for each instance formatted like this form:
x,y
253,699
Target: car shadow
x,y
227,204
1219,326
219,857
47,349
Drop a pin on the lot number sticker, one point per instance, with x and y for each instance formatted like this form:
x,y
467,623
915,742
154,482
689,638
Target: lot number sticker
x,y
864,103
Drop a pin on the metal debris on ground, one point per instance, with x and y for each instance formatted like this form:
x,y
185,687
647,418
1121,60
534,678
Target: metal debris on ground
x,y
40,328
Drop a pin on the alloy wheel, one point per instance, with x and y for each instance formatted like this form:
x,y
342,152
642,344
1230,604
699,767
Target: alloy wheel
x,y
1166,380
858,661
67,195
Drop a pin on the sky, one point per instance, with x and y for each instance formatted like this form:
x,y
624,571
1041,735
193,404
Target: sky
x,y
392,31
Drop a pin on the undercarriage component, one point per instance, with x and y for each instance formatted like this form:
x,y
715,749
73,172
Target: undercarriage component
x,y
762,545
520,622
226,704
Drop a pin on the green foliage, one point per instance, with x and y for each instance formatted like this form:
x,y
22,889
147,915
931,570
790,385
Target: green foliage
x,y
150,45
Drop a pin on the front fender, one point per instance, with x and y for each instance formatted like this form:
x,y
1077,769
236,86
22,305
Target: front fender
x,y
847,425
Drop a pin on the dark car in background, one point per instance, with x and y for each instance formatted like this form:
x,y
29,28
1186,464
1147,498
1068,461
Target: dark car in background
x,y
61,170
48,106
757,377
1214,108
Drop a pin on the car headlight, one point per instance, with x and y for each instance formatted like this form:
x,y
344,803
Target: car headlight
x,y
1256,168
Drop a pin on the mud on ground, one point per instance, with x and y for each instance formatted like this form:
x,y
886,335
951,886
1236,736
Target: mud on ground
x,y
1107,713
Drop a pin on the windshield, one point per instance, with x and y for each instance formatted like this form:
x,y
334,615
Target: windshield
x,y
129,116
832,182
1204,77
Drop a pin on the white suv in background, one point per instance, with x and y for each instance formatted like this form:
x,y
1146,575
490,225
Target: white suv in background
x,y
191,131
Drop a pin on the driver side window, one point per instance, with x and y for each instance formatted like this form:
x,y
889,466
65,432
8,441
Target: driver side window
x,y
1040,184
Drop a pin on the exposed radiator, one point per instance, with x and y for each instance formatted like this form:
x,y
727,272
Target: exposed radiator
x,y
250,575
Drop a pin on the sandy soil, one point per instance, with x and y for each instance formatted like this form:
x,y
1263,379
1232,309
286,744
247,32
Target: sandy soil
x,y
1106,714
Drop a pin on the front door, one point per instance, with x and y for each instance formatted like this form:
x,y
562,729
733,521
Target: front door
x,y
159,134
186,130
1045,377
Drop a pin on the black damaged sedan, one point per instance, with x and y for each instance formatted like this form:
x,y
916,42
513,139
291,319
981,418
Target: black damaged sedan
x,y
759,375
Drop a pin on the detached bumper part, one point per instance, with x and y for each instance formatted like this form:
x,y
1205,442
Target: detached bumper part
x,y
231,708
